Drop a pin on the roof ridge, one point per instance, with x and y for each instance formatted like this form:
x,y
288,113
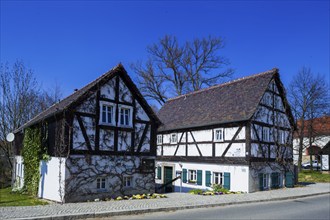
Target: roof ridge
x,y
274,70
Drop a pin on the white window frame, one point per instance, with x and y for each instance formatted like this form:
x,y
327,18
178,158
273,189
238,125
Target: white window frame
x,y
128,181
130,116
265,134
113,113
159,139
173,138
192,176
219,134
101,183
219,176
265,180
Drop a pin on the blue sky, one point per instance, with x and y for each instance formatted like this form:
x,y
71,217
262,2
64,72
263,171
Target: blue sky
x,y
74,42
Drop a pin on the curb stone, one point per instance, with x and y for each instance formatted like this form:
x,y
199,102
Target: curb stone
x,y
167,209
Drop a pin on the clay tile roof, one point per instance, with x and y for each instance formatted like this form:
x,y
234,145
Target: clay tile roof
x,y
233,101
77,95
321,126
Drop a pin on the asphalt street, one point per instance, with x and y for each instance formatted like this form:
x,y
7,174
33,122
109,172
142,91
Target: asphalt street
x,y
316,207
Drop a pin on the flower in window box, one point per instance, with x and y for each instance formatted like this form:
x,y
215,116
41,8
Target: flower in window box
x,y
192,181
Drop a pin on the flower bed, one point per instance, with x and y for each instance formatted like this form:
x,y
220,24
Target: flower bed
x,y
137,196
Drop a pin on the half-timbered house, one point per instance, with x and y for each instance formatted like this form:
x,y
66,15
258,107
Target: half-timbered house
x,y
237,134
101,141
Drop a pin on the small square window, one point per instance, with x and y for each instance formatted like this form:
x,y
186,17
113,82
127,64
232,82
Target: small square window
x,y
100,183
217,178
159,139
173,138
218,134
192,176
128,181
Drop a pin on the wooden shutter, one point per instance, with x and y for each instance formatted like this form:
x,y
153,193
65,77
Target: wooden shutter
x,y
289,179
226,181
199,177
159,172
261,181
184,175
207,178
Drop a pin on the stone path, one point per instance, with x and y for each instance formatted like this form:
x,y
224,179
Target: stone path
x,y
175,201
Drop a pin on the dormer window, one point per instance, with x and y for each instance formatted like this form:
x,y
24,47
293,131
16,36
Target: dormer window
x,y
125,116
107,113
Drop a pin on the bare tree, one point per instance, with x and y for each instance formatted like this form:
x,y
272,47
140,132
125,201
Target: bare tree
x,y
173,69
308,97
21,99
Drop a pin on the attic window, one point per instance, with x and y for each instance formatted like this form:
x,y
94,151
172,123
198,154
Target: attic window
x,y
107,113
218,134
125,116
173,139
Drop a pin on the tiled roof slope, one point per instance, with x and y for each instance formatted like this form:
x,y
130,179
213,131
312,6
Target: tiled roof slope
x,y
76,96
229,102
321,126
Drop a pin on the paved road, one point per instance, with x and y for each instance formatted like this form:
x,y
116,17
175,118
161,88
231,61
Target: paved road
x,y
317,207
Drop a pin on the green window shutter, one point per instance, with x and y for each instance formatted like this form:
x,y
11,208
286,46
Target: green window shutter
x,y
274,180
207,178
184,175
159,172
289,179
199,177
261,181
226,181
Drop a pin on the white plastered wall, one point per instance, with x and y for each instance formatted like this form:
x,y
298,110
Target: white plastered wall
x,y
49,185
239,174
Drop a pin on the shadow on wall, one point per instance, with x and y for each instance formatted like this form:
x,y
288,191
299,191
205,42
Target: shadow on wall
x,y
43,172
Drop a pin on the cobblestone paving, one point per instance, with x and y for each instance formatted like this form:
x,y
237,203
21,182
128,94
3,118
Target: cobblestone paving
x,y
173,202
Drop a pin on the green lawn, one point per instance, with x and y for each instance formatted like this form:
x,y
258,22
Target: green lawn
x,y
313,176
9,198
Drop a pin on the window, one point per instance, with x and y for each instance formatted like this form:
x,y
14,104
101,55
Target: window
x,y
192,176
125,116
218,133
100,183
127,181
265,180
217,178
265,134
107,113
159,139
173,138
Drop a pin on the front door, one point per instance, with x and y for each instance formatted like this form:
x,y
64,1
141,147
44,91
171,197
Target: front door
x,y
168,172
